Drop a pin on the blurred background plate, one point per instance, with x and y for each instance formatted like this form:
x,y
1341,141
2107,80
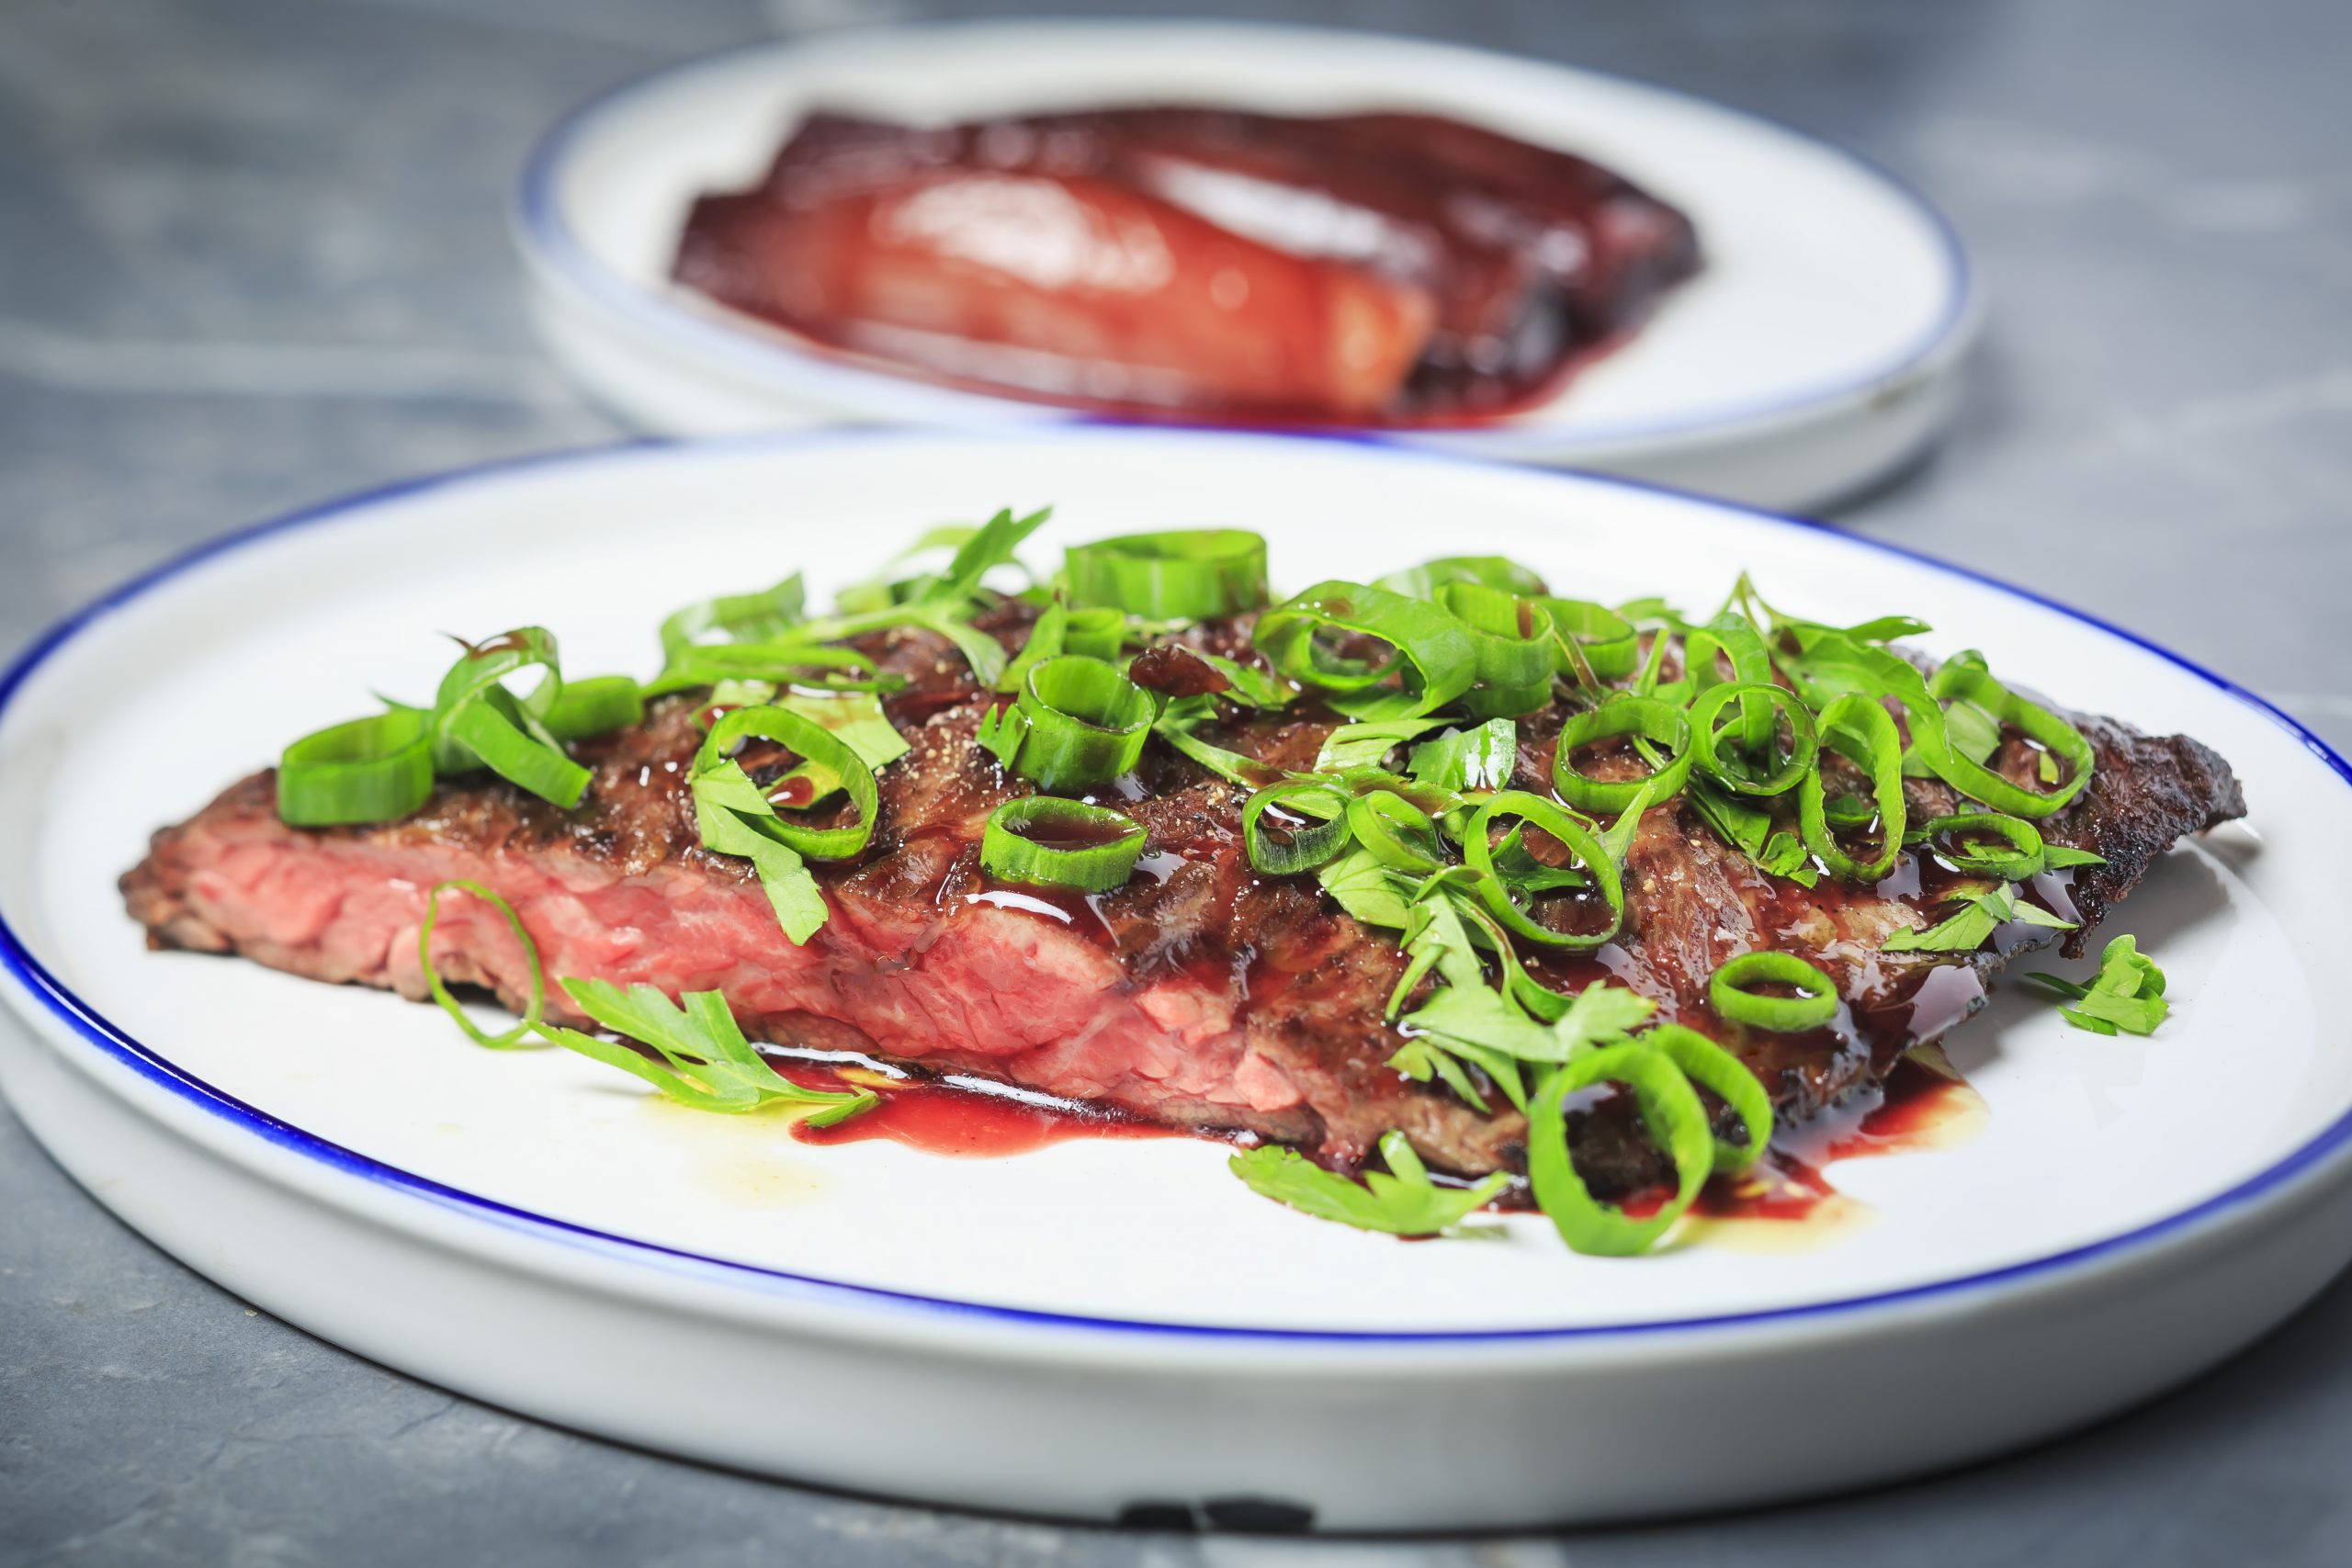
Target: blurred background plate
x,y
1816,352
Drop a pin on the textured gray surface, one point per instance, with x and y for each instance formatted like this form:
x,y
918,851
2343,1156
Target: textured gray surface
x,y
252,254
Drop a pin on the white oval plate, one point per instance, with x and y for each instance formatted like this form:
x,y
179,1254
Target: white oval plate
x,y
1105,1324
1816,352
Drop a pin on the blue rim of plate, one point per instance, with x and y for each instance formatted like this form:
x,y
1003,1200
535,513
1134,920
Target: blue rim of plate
x,y
548,239
150,1064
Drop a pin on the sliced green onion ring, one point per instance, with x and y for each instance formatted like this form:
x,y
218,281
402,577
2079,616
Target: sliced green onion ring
x,y
2022,858
822,754
1047,841
1085,721
1511,640
1804,742
1859,729
740,617
780,663
506,1040
1670,1108
1964,678
1606,641
477,722
1190,574
1730,639
1428,650
1650,719
597,706
1709,1065
1398,833
1815,1004
1306,847
377,769
1477,853
1424,581
1097,633
494,731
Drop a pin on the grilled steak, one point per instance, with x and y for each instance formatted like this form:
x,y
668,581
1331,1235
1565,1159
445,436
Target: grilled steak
x,y
1199,995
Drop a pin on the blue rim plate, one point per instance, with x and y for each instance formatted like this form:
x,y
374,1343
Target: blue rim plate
x,y
90,1026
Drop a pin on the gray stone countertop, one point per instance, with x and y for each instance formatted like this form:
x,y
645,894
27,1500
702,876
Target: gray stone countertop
x,y
253,255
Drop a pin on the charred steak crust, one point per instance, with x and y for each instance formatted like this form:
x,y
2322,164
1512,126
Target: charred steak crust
x,y
1199,995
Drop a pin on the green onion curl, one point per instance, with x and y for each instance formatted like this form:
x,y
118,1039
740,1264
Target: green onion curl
x,y
793,664
1804,742
1079,722
1047,841
477,722
1096,633
1397,833
1430,652
597,706
1651,719
1477,853
1964,678
1709,1065
2019,855
1306,847
1511,641
1676,1121
1858,728
1815,1004
1191,574
827,761
369,770
506,1040
1423,582
1604,642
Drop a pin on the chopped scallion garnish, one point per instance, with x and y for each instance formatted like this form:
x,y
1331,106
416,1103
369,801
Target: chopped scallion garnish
x,y
528,1025
1676,1119
1079,722
1428,662
1649,718
1191,574
369,770
1814,1003
1047,841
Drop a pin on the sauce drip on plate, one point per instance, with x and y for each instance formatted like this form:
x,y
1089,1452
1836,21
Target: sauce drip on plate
x,y
955,1116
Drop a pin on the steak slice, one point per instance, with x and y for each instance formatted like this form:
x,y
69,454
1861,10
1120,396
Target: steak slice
x,y
1199,995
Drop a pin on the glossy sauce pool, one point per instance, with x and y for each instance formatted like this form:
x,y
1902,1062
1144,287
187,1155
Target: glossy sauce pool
x,y
956,1117
1924,1103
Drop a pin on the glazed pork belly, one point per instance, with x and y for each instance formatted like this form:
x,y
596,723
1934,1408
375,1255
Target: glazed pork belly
x,y
1358,267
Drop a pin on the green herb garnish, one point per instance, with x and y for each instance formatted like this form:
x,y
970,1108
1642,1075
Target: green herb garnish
x,y
705,1063
1478,758
1401,1201
2126,995
1966,930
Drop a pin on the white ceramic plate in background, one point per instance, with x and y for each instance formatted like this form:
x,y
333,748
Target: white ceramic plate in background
x,y
1816,352
1106,1324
